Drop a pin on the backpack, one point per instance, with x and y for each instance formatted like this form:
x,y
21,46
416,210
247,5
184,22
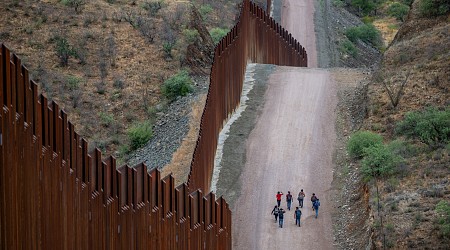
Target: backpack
x,y
316,203
275,211
298,213
280,215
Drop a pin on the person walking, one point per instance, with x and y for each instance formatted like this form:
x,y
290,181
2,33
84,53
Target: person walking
x,y
275,212
297,216
313,199
316,207
289,200
281,217
300,198
279,195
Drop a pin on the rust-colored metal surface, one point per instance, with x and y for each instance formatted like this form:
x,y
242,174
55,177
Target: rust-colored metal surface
x,y
256,38
56,195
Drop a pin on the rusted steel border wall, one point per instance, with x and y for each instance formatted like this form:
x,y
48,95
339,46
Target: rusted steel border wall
x,y
256,38
56,195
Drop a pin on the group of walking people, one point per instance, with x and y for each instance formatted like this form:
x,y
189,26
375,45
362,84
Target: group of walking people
x,y
279,212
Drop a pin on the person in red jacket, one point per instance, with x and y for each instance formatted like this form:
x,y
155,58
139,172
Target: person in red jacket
x,y
279,195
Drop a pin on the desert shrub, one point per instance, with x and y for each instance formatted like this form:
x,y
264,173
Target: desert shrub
x,y
365,6
147,28
217,34
398,10
78,5
167,48
204,11
339,3
402,148
139,134
64,51
177,85
443,209
407,2
361,140
430,126
73,82
106,119
191,35
368,19
169,39
379,161
432,8
366,33
153,6
118,83
348,48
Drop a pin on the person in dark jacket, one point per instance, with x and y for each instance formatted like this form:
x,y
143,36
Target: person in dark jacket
x,y
297,216
316,207
275,212
313,199
281,217
289,200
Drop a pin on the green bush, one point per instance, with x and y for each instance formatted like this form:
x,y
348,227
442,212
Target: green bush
x,y
368,19
204,10
64,51
347,47
73,82
432,8
139,134
339,3
167,48
106,119
430,126
443,208
153,6
217,34
366,33
379,161
407,2
191,35
177,85
361,140
365,6
398,10
402,148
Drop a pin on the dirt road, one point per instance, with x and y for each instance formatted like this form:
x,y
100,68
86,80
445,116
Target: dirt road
x,y
290,148
297,16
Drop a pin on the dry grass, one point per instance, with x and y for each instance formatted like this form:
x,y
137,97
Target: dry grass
x,y
422,48
29,29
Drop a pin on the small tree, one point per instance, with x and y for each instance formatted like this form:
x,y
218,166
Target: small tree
x,y
64,51
395,94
